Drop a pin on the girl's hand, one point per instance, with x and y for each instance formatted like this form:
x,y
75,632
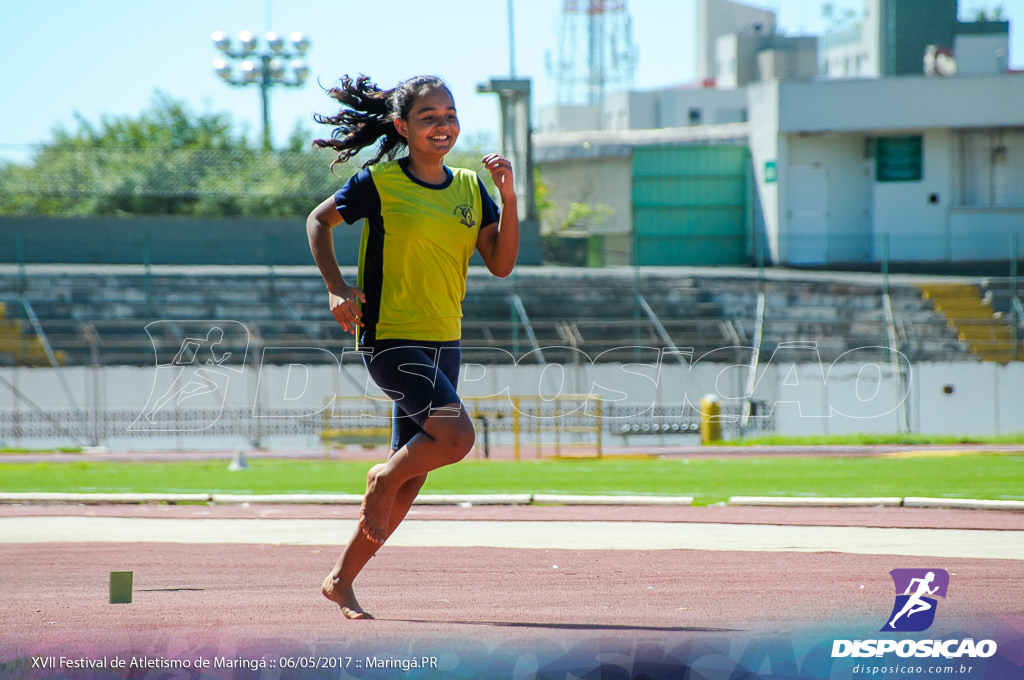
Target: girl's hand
x,y
345,307
501,172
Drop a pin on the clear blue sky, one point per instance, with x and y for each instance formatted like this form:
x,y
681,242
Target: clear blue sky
x,y
101,57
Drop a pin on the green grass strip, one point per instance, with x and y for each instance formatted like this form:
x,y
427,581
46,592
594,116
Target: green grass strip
x,y
872,440
709,480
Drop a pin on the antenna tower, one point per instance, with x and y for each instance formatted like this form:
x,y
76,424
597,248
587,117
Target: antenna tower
x,y
595,51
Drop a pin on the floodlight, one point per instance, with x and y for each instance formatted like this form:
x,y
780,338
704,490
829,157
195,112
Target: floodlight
x,y
301,69
252,71
222,69
221,41
300,41
274,41
265,61
275,69
248,40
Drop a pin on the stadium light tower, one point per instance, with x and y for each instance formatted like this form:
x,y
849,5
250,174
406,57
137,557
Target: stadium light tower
x,y
596,52
516,123
268,63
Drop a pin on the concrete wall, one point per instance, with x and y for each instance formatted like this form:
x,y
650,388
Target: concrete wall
x,y
791,60
989,168
767,146
720,17
654,109
743,59
805,395
735,61
1002,227
844,54
820,137
606,181
163,240
184,240
567,118
845,232
855,51
918,229
714,106
630,111
911,102
985,53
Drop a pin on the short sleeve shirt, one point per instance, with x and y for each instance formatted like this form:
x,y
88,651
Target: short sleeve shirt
x,y
414,253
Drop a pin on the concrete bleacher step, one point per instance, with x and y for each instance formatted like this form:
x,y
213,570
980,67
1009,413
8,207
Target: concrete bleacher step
x,y
984,330
704,310
20,346
824,313
972,317
968,309
933,291
1002,353
1001,295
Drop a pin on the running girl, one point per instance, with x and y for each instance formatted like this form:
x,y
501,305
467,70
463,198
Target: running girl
x,y
423,220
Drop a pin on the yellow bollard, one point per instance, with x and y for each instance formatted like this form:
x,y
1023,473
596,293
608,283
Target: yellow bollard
x,y
710,423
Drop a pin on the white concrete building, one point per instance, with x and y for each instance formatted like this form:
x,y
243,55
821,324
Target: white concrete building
x,y
852,167
919,169
595,168
981,52
895,37
716,18
748,58
913,169
705,102
654,109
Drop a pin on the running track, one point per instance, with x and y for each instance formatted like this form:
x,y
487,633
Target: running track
x,y
237,581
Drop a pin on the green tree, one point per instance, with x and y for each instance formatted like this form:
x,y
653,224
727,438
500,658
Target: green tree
x,y
837,19
167,123
995,14
568,243
169,160
166,160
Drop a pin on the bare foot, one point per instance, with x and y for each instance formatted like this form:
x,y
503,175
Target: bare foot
x,y
345,598
376,510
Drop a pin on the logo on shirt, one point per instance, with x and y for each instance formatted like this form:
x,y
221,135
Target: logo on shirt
x,y
466,211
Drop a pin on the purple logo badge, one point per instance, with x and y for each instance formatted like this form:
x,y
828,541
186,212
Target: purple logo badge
x,y
916,590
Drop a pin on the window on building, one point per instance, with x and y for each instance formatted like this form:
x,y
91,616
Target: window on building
x,y
899,159
695,116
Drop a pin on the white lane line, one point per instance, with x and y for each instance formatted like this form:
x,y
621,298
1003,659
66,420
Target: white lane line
x,y
553,535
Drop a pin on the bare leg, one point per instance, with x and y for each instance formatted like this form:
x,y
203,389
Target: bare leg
x,y
391,489
337,587
446,439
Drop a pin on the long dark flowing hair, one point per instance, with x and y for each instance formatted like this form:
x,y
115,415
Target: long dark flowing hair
x,y
368,116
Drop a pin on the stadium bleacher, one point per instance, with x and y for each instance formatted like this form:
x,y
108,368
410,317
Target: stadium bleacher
x,y
98,314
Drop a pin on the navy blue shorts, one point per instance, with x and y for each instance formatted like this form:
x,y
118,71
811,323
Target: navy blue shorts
x,y
419,376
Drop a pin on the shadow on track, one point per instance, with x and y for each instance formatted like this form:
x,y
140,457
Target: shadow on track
x,y
576,626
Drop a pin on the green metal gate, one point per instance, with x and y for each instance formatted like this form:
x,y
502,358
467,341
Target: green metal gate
x,y
691,205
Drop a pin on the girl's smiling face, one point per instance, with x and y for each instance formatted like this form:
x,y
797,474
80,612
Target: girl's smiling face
x,y
432,124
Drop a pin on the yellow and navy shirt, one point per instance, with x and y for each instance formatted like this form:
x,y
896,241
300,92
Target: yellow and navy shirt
x,y
415,248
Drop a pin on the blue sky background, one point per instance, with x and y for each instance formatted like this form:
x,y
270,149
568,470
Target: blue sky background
x,y
101,57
